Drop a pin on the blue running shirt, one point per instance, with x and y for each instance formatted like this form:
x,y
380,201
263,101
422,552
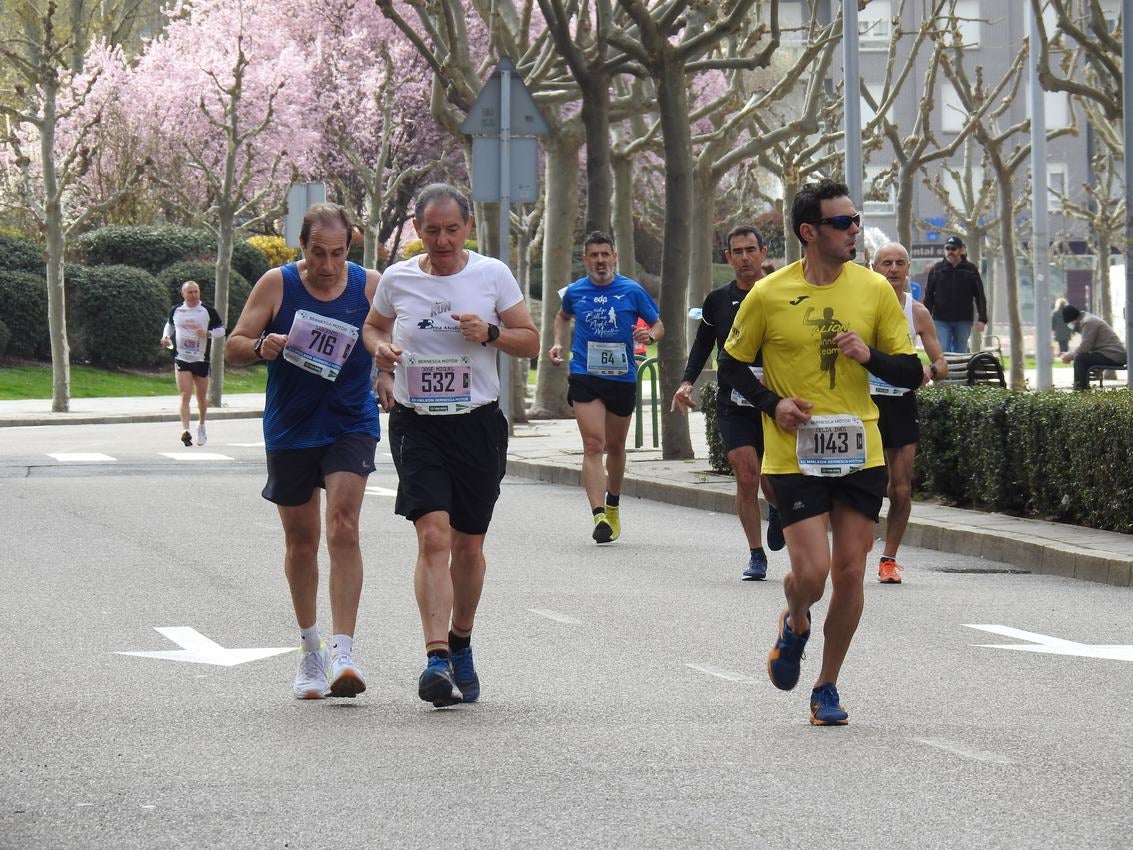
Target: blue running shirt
x,y
304,410
605,315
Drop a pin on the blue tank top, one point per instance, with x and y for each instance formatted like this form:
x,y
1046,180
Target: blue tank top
x,y
302,410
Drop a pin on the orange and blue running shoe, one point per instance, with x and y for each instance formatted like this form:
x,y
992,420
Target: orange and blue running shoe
x,y
889,571
826,707
783,662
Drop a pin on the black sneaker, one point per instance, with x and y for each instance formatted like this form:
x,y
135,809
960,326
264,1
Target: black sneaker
x,y
438,683
187,439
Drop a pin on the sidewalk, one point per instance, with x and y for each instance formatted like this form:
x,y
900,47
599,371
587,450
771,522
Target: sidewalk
x,y
551,450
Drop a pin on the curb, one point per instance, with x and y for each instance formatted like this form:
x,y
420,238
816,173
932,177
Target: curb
x,y
1027,553
119,418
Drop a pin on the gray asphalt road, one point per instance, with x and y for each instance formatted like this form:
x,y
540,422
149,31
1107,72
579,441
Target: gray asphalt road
x,y
625,702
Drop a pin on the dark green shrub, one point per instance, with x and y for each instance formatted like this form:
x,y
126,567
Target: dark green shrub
x,y
717,454
249,261
23,307
204,273
145,247
20,255
5,338
121,311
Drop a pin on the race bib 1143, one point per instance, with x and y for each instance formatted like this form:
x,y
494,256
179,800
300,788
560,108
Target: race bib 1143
x,y
831,446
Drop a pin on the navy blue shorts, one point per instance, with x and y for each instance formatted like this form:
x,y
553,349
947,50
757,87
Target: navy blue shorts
x,y
293,474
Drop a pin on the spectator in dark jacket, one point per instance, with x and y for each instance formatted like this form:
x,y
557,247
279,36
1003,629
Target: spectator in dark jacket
x,y
1099,346
953,286
1061,330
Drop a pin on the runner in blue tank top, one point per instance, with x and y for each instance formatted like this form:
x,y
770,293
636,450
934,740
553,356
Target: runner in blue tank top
x,y
602,385
320,430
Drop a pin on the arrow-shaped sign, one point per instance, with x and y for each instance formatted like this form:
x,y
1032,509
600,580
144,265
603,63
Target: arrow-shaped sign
x,y
198,649
1053,645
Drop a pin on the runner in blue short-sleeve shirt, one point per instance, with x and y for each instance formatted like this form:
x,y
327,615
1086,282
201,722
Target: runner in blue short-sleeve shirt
x,y
605,307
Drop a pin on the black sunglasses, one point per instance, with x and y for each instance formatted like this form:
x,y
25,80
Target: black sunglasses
x,y
842,222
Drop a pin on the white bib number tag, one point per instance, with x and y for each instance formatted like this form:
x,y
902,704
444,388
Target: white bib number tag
x,y
439,386
831,446
606,358
738,398
190,342
880,387
318,344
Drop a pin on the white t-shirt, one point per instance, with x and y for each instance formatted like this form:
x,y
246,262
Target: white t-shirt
x,y
446,373
183,326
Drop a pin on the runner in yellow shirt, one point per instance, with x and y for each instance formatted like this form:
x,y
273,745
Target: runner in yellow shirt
x,y
823,325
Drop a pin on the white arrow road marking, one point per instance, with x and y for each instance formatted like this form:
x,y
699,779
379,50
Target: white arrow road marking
x,y
198,649
195,456
375,490
720,672
1053,645
82,457
554,615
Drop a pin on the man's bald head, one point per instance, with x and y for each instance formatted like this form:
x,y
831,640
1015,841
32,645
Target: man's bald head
x,y
891,261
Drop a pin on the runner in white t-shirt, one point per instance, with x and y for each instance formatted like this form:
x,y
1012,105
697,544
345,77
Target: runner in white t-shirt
x,y
189,332
437,322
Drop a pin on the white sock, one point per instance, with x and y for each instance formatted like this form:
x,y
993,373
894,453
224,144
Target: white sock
x,y
310,638
342,644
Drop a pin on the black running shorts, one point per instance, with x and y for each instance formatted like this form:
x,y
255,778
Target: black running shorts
x,y
897,420
293,474
619,397
739,427
804,496
200,368
449,463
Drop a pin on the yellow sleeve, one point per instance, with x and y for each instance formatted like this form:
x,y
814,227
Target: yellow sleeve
x,y
746,336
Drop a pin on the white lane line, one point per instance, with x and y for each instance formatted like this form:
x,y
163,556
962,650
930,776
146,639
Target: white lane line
x,y
195,456
375,490
554,615
727,675
83,457
258,445
964,752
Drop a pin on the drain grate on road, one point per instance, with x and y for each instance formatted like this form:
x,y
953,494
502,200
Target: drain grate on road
x,y
1010,571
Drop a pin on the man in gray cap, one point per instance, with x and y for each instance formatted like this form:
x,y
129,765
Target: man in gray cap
x,y
1099,346
953,285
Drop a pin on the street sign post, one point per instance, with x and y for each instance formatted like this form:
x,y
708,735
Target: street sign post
x,y
300,196
503,123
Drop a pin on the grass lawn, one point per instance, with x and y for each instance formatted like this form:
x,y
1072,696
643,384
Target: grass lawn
x,y
25,381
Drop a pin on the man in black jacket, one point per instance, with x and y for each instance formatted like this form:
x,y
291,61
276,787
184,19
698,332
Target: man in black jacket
x,y
953,285
740,425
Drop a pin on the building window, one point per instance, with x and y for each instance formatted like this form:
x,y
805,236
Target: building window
x,y
953,115
966,18
1056,183
875,25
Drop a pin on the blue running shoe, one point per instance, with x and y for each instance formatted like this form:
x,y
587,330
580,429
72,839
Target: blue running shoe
x,y
775,538
465,673
825,707
438,683
756,568
783,662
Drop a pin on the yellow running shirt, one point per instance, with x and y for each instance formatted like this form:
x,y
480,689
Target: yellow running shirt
x,y
794,323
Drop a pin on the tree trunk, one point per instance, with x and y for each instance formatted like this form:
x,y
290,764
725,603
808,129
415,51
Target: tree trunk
x,y
56,244
622,167
792,248
904,200
224,239
703,235
561,181
672,350
373,225
1017,380
1101,276
596,122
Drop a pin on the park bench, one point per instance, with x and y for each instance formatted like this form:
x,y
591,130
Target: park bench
x,y
980,367
1098,373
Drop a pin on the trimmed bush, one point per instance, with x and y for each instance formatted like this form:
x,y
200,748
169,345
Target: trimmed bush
x,y
275,249
204,274
145,247
416,246
717,454
20,255
5,338
248,260
120,313
23,306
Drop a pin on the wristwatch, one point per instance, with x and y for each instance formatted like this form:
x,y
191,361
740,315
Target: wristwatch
x,y
493,334
258,344
932,370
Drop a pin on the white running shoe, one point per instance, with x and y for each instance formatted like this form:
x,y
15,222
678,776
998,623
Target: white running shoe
x,y
346,679
202,437
311,680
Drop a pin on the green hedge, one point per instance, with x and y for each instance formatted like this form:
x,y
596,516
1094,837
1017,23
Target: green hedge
x,y
20,255
120,312
204,274
23,306
1053,455
156,247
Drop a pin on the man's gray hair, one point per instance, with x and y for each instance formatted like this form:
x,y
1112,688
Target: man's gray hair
x,y
441,192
